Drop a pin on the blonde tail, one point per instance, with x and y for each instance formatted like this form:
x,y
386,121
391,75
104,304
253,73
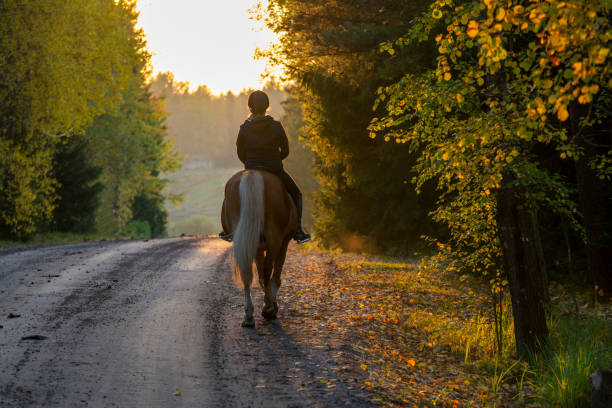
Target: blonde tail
x,y
250,226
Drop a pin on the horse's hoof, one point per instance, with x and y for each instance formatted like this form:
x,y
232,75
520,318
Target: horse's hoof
x,y
248,322
268,313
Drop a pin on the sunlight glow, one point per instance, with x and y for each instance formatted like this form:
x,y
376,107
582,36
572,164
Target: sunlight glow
x,y
205,42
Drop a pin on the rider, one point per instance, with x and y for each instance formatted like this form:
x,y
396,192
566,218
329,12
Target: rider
x,y
262,145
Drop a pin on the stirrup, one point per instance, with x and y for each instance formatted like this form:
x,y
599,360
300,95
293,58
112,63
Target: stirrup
x,y
308,238
301,237
225,237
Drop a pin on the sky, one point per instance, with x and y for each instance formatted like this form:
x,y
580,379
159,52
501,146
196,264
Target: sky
x,y
205,42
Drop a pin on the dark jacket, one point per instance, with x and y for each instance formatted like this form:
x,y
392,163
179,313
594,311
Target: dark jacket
x,y
262,144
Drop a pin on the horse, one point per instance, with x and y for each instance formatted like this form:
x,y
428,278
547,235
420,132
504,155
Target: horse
x,y
262,218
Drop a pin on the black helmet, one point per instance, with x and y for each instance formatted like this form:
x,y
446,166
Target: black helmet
x,y
258,102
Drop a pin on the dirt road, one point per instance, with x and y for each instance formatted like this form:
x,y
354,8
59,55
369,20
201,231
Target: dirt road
x,y
146,324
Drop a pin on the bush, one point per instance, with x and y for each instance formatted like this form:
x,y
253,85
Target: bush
x,y
150,208
137,229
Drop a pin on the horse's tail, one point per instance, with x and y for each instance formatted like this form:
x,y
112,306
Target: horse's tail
x,y
250,225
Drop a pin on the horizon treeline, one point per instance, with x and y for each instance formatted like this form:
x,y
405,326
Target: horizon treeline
x,y
484,125
82,140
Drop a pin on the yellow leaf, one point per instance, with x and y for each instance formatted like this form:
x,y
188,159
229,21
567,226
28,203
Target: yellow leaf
x,y
445,156
447,76
501,13
601,55
364,367
563,114
459,98
472,29
178,394
411,362
367,383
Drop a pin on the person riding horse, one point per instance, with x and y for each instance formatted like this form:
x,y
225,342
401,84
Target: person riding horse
x,y
262,145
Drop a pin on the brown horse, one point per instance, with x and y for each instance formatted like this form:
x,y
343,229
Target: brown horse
x,y
262,218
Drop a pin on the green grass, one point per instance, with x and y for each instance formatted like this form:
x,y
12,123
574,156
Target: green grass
x,y
56,238
578,346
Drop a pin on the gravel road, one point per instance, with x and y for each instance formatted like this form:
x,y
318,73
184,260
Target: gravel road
x,y
145,323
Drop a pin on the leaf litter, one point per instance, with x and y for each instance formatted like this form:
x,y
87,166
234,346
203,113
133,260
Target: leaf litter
x,y
399,329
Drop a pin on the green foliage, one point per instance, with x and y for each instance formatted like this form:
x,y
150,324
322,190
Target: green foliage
x,y
365,200
27,188
150,209
506,79
79,188
63,64
137,229
300,161
133,150
560,374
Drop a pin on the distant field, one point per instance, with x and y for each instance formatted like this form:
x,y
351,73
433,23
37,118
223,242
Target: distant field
x,y
200,212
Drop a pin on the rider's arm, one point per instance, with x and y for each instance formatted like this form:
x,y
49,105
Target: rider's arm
x,y
284,143
240,147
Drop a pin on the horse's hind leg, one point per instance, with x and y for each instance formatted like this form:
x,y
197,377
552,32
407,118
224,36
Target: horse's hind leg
x,y
268,311
247,279
276,277
248,308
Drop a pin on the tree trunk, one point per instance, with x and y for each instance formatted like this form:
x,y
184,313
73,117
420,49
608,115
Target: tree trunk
x,y
524,268
595,197
596,224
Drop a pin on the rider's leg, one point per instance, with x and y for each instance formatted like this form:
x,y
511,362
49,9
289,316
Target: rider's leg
x,y
296,195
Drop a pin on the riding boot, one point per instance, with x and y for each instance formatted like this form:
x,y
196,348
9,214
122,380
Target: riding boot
x,y
300,236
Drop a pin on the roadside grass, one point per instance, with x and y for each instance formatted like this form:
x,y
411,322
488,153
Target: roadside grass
x,y
56,238
425,336
579,345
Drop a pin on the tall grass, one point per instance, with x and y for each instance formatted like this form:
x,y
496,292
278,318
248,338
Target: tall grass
x,y
578,346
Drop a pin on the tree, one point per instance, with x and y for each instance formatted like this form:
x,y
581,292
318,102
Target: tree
x,y
508,81
63,63
133,150
78,189
365,200
300,161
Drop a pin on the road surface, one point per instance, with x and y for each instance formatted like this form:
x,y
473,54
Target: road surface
x,y
145,323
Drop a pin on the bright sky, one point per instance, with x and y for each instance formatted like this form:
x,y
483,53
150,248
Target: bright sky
x,y
205,42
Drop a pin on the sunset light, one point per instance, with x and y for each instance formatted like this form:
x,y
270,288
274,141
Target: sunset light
x,y
205,42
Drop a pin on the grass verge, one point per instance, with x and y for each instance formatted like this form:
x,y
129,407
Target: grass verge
x,y
55,238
